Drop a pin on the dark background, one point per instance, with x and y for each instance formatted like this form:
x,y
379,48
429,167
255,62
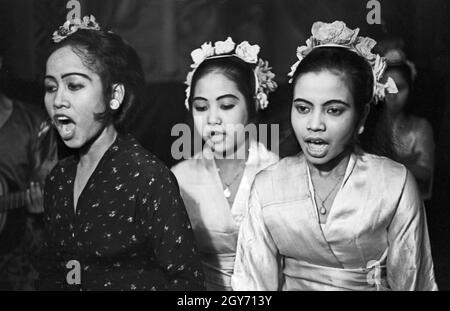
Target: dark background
x,y
164,32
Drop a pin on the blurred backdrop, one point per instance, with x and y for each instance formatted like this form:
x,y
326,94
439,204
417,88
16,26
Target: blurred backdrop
x,y
164,32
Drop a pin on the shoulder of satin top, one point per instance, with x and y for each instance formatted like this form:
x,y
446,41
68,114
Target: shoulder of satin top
x,y
281,180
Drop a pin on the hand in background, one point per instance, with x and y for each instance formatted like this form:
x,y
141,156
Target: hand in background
x,y
35,198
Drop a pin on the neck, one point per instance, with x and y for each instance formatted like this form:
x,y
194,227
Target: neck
x,y
228,164
92,152
240,153
231,162
336,167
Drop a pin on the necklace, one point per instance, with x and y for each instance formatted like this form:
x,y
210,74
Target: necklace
x,y
323,210
227,191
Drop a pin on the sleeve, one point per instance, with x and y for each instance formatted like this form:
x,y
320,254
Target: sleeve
x,y
257,265
171,235
425,163
409,261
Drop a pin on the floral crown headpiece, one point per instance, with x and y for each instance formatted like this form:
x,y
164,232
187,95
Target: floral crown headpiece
x,y
396,56
72,26
337,34
264,77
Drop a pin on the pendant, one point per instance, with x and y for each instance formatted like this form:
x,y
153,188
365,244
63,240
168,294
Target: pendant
x,y
323,210
227,192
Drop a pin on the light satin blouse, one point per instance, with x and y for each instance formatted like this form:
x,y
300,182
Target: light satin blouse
x,y
216,223
416,147
375,237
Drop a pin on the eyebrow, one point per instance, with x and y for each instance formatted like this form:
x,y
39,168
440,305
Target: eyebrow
x,y
199,98
49,77
328,102
70,74
228,96
218,98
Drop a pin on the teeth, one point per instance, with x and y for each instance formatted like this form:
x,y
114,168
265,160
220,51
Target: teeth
x,y
215,134
317,147
62,119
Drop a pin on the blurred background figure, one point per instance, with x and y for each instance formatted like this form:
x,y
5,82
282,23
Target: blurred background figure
x,y
412,135
27,154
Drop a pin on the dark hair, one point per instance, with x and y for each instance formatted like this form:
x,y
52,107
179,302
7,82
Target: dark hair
x,y
358,74
407,73
115,62
235,69
404,69
2,47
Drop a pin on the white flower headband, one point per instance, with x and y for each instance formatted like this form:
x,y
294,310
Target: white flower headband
x,y
249,54
72,26
339,35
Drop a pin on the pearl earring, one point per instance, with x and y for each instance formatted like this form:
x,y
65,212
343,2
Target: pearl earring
x,y
361,130
114,104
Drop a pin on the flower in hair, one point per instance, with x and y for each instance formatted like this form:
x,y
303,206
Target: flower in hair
x,y
224,47
72,26
364,47
264,77
248,53
334,33
337,34
379,67
382,88
266,82
263,100
199,55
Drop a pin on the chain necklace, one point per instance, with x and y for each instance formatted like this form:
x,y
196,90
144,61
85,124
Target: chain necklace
x,y
323,210
227,191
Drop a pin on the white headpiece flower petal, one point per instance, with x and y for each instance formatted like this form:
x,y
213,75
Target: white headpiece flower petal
x,y
72,26
338,34
264,77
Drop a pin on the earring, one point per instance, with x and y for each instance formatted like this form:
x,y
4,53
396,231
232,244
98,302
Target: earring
x,y
361,130
114,104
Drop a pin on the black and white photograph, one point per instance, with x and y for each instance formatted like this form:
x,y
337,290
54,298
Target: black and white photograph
x,y
206,147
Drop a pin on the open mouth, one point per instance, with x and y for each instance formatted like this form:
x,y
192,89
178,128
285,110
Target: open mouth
x,y
316,146
216,136
65,126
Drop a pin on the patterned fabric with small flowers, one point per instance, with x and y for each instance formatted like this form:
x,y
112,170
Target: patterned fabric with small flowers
x,y
130,230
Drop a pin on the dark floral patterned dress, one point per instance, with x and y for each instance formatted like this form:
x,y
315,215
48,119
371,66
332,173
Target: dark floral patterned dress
x,y
130,230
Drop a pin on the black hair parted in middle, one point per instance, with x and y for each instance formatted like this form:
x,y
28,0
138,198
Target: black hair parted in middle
x,y
237,71
358,74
